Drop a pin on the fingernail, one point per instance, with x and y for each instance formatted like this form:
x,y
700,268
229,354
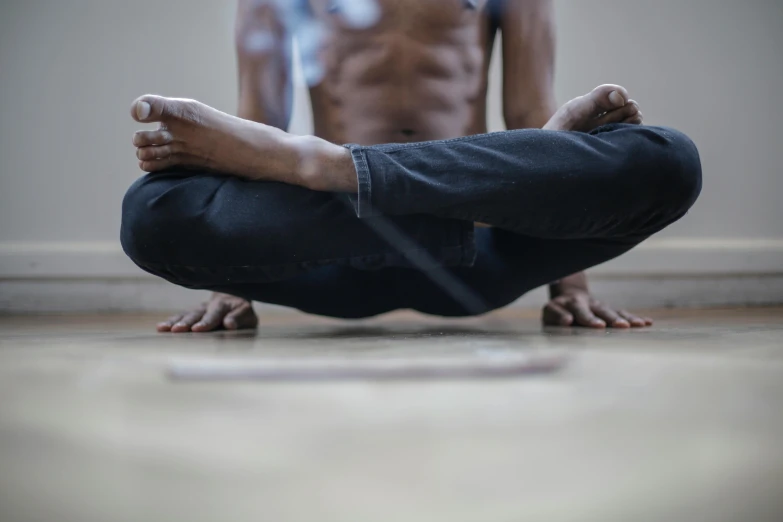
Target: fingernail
x,y
230,324
143,110
617,99
597,322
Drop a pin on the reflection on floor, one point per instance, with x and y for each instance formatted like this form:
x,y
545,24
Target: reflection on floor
x,y
683,421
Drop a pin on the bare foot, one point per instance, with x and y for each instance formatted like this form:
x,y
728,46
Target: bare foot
x,y
604,105
192,134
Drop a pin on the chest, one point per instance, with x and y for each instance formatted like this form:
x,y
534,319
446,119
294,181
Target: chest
x,y
399,15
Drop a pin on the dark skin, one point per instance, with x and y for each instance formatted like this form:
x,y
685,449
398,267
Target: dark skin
x,y
419,74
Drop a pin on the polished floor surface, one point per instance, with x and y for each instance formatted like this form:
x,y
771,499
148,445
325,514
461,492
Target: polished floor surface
x,y
403,418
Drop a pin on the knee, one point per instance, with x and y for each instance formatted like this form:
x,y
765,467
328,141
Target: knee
x,y
190,228
681,170
152,220
677,174
137,229
158,227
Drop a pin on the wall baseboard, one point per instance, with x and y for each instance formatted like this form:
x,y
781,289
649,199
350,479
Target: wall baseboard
x,y
680,256
152,295
95,276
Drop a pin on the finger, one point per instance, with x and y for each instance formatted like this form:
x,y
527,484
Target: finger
x,y
241,317
191,318
155,137
610,317
634,320
165,326
583,315
647,320
556,315
213,317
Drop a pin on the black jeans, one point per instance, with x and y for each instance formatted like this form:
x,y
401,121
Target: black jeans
x,y
559,202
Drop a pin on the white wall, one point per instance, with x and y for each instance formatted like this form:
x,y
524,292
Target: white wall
x,y
69,70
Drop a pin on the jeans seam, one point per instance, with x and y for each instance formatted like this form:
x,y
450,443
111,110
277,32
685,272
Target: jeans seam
x,y
364,192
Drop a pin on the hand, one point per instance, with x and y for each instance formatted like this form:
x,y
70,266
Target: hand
x,y
222,310
578,308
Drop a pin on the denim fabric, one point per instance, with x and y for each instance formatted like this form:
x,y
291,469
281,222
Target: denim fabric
x,y
559,202
622,180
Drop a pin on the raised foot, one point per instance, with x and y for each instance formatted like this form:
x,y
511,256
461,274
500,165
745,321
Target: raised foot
x,y
604,105
192,134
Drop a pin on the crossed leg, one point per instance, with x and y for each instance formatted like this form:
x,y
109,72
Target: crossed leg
x,y
560,201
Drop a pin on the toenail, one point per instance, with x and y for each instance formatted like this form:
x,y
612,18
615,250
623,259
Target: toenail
x,y
143,110
617,99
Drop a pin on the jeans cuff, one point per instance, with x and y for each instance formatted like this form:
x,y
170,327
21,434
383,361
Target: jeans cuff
x,y
362,200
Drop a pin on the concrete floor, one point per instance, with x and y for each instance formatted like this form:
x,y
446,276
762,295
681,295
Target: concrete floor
x,y
683,421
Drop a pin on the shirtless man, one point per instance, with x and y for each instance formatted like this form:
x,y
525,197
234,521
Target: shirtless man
x,y
559,200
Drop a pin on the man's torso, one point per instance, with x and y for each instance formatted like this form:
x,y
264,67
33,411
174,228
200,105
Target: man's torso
x,y
419,74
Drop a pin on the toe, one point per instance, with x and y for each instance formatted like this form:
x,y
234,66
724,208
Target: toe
x,y
156,137
636,119
626,114
151,108
147,108
154,153
156,165
609,97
